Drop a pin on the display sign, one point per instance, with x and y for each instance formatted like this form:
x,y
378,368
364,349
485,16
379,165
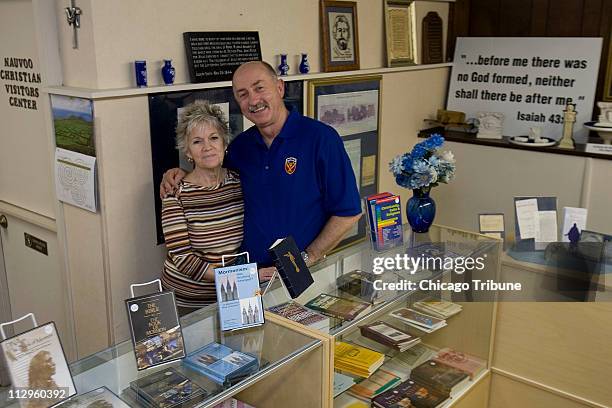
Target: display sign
x,y
529,80
214,56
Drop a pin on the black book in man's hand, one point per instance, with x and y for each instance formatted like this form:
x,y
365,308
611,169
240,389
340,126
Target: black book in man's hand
x,y
291,267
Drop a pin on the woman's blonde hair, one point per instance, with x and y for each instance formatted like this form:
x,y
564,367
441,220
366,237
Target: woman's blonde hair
x,y
197,113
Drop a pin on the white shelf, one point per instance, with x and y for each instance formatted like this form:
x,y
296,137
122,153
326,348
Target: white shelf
x,y
123,92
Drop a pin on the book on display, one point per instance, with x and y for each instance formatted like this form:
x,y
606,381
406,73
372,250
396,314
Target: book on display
x,y
377,383
342,383
220,363
168,389
239,296
356,360
233,403
442,309
155,329
300,314
292,269
403,363
385,214
440,377
470,365
418,320
35,360
389,335
409,393
359,284
341,308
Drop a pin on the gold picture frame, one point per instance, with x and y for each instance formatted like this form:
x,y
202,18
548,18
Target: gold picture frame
x,y
607,93
340,35
352,106
400,32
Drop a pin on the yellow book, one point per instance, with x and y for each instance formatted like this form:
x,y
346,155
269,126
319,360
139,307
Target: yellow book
x,y
356,355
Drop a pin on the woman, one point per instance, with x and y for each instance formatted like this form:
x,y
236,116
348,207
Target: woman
x,y
202,220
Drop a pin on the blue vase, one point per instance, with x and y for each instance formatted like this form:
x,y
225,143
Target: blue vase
x,y
168,72
304,65
283,68
421,210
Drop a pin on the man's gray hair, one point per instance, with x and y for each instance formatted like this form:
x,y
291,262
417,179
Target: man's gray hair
x,y
197,113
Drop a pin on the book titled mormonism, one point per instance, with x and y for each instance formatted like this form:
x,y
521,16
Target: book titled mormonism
x,y
291,267
239,296
155,328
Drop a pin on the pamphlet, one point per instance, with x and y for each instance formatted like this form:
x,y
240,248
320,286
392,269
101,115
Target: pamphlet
x,y
239,296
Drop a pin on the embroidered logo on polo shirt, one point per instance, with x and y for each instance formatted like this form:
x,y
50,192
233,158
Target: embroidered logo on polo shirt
x,y
290,165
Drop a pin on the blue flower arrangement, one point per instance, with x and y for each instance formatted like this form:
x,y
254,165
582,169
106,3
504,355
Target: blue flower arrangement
x,y
425,166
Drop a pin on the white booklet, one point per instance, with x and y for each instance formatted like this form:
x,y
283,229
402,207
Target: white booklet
x,y
239,296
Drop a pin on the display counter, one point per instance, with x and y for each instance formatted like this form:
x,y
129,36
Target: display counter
x,y
470,331
297,361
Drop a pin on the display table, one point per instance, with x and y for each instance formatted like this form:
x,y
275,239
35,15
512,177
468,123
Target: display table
x,y
470,331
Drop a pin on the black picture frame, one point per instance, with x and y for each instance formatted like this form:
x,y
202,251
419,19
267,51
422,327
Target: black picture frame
x,y
352,92
163,119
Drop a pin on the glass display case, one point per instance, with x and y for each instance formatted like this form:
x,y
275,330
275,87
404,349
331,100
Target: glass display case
x,y
469,331
278,349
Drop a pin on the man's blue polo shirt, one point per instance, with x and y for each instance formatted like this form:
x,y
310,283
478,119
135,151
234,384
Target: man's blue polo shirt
x,y
293,187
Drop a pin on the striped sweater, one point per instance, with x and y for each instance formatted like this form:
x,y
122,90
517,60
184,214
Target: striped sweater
x,y
200,225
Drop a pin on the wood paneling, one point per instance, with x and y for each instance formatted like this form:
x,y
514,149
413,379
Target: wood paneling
x,y
515,20
534,18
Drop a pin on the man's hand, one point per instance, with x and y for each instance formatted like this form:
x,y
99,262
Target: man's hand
x,y
171,179
265,274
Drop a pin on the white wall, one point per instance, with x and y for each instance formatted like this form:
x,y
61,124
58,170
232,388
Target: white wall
x,y
25,179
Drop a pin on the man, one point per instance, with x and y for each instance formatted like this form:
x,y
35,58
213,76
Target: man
x,y
296,175
342,32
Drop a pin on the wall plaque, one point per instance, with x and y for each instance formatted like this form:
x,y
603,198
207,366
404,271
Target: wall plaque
x,y
36,244
214,56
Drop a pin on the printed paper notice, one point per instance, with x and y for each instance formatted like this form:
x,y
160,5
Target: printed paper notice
x,y
491,222
571,216
75,179
548,226
527,217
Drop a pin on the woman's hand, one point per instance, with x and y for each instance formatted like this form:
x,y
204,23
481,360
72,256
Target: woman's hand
x,y
265,274
171,179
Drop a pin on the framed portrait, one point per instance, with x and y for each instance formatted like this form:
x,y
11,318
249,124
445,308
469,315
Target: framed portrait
x,y
400,34
340,35
351,105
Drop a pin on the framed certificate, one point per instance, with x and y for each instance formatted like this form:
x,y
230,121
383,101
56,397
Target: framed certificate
x,y
400,32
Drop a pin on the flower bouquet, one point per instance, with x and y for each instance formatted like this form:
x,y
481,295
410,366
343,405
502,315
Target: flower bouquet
x,y
420,170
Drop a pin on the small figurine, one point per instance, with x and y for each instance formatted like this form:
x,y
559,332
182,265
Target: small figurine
x,y
569,118
491,125
574,236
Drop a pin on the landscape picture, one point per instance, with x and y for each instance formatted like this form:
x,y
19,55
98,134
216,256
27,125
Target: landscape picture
x,y
73,124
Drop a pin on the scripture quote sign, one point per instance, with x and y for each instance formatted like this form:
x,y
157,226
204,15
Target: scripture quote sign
x,y
214,56
529,80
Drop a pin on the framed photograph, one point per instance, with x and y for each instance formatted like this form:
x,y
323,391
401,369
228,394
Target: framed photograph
x,y
607,93
340,35
400,34
351,105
